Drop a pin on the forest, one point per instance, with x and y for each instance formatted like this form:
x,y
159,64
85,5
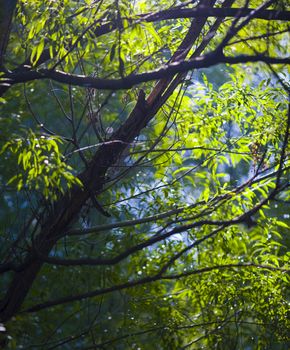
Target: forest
x,y
144,174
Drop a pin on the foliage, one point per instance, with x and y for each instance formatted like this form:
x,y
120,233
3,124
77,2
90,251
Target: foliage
x,y
40,165
140,222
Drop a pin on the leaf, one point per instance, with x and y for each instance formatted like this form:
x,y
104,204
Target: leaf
x,y
36,52
282,224
206,194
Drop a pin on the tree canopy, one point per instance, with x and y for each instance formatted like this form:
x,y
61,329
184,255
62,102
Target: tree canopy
x,y
144,174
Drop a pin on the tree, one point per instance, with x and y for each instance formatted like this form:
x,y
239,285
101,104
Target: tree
x,y
145,174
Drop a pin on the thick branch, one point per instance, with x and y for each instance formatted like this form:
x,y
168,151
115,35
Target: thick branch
x,y
7,8
132,80
215,12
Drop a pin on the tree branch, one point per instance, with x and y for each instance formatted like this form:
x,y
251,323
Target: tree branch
x,y
7,8
244,218
177,13
146,280
128,82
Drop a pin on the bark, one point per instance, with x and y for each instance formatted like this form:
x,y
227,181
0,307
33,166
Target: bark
x,y
7,8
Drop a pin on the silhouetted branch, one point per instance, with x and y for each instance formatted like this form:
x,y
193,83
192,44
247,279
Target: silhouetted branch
x,y
132,80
